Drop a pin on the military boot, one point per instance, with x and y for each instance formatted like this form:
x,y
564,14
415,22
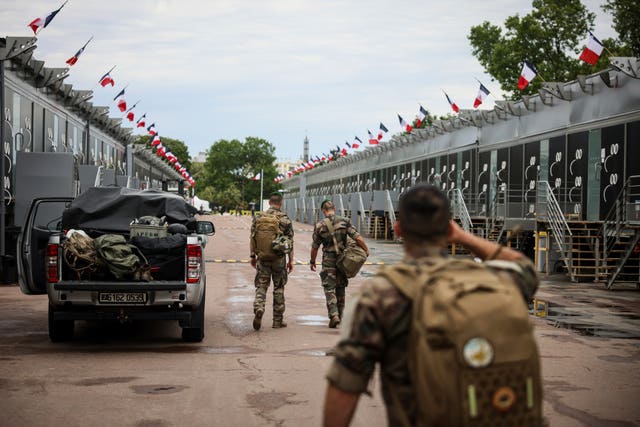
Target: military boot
x,y
257,319
279,324
341,301
335,321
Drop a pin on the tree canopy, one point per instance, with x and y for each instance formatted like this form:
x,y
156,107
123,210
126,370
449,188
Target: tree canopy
x,y
550,37
230,166
626,22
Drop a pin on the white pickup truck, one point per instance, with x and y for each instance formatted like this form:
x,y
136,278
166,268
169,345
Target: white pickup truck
x,y
175,292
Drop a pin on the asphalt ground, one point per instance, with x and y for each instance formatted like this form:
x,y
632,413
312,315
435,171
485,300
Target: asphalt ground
x,y
142,374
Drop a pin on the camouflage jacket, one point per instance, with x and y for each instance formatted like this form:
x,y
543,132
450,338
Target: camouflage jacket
x,y
286,226
342,228
375,329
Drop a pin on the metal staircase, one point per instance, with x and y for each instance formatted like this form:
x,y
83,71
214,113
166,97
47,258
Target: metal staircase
x,y
459,209
619,237
548,209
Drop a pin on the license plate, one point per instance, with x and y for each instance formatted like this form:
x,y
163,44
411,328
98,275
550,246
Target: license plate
x,y
122,297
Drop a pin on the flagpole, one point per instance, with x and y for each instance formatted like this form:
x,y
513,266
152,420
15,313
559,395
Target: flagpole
x,y
261,181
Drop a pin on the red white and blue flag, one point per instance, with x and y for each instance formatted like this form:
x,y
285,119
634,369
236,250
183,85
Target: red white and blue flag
x,y
152,129
107,80
156,140
383,130
141,122
129,114
483,92
592,51
407,127
528,73
121,102
72,61
256,177
39,23
422,114
454,106
357,142
373,140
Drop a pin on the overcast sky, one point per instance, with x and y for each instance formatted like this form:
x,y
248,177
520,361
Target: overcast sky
x,y
276,69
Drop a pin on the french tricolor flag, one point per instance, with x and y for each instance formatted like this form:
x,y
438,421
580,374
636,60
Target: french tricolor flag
x,y
72,61
357,142
454,106
483,92
152,129
372,139
39,23
592,51
141,122
383,130
422,114
528,73
106,80
407,127
121,101
156,140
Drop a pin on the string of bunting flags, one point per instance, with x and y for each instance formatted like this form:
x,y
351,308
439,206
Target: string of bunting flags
x,y
590,54
40,23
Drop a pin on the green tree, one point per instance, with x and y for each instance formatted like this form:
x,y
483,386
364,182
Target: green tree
x,y
232,164
626,22
550,37
177,147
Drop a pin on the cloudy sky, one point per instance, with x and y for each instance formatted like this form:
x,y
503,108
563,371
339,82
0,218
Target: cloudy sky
x,y
276,69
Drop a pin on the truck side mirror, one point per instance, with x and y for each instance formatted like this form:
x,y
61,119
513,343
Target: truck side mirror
x,y
205,227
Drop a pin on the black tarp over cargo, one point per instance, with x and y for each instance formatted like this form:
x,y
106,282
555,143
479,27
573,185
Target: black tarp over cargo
x,y
112,209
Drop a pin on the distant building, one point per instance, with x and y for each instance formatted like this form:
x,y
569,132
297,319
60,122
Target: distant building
x,y
285,165
200,158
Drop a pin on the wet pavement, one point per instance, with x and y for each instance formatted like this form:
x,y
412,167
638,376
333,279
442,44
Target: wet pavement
x,y
142,374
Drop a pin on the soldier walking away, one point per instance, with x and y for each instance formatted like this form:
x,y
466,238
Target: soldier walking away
x,y
334,281
452,336
270,244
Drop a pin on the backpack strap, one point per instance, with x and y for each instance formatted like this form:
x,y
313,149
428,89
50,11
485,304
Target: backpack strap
x,y
329,224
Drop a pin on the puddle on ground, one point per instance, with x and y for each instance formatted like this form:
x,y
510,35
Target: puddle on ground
x,y
316,352
311,320
589,320
240,299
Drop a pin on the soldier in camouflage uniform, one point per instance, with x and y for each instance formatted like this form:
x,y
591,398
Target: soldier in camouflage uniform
x,y
377,322
276,269
334,281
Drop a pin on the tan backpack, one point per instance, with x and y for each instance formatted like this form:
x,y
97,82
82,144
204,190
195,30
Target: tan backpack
x,y
267,228
472,354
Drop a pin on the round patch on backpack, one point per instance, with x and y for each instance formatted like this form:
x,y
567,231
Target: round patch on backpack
x,y
478,352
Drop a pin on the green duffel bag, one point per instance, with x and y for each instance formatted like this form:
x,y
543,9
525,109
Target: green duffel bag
x,y
351,260
121,258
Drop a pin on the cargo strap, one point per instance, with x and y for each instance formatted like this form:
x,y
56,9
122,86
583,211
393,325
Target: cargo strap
x,y
329,225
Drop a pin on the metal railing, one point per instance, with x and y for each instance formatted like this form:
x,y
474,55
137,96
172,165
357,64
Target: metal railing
x,y
364,218
625,210
460,209
390,208
549,209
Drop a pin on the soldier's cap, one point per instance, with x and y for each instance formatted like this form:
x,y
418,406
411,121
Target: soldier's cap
x,y
324,202
276,193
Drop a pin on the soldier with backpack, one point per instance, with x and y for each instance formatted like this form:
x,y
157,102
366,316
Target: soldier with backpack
x,y
332,233
270,244
452,336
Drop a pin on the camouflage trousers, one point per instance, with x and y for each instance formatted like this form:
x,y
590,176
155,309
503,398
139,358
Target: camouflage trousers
x,y
265,272
334,283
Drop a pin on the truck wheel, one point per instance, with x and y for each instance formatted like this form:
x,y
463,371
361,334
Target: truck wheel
x,y
195,333
59,330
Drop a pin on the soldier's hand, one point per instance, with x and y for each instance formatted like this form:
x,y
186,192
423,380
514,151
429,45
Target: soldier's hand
x,y
455,232
254,262
313,267
290,266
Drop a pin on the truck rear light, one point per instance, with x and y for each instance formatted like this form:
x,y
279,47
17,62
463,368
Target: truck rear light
x,y
194,262
51,263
